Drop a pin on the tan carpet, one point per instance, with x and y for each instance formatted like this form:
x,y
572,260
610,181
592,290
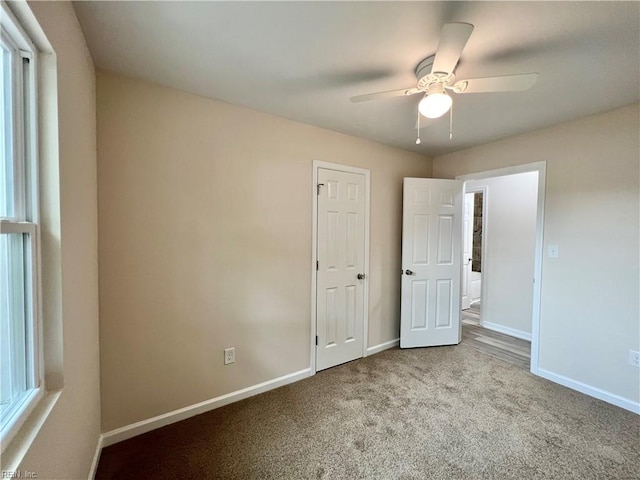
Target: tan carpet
x,y
442,413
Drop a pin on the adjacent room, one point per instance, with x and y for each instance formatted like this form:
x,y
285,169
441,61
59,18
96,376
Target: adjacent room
x,y
320,240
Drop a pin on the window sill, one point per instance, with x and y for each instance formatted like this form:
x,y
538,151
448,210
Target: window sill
x,y
19,413
26,431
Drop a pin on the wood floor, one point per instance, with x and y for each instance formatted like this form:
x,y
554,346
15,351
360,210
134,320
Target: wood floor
x,y
499,345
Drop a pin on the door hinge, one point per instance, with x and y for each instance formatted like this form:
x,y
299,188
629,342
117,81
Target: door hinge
x,y
316,340
318,187
317,265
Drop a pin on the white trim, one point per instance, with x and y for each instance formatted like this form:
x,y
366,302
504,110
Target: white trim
x,y
314,268
314,252
9,226
43,123
501,172
383,346
537,269
144,426
541,168
507,330
20,415
15,30
14,451
96,458
598,393
25,196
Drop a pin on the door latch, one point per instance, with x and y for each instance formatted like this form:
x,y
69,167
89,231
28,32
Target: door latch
x,y
361,276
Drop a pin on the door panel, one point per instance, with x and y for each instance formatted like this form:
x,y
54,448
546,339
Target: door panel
x,y
421,245
444,304
431,262
341,247
419,305
445,239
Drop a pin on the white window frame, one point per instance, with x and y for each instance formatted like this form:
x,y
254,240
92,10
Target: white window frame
x,y
25,217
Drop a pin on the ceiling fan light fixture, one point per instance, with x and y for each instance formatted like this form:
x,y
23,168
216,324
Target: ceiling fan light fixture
x,y
434,105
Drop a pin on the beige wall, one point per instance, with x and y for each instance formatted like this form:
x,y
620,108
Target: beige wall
x,y
65,445
590,294
205,243
510,237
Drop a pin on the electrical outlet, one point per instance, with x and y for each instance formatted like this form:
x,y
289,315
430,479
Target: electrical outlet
x,y
229,355
634,358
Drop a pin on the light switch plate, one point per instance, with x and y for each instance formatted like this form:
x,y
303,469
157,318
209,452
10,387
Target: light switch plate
x,y
634,358
229,355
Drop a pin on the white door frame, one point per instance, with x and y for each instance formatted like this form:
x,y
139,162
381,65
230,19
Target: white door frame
x,y
539,167
314,252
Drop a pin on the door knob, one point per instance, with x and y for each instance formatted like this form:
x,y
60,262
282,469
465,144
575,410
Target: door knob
x,y
409,272
361,276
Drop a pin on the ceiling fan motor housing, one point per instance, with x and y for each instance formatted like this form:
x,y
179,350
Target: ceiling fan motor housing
x,y
427,78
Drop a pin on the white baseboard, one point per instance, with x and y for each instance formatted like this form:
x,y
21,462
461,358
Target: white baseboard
x,y
507,330
96,458
591,391
383,346
144,426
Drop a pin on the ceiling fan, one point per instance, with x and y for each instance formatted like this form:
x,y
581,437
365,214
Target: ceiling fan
x,y
436,78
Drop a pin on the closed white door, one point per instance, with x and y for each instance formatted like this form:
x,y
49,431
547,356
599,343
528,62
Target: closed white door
x,y
431,262
340,268
467,248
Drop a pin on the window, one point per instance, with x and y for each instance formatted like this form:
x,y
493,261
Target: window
x,y
20,376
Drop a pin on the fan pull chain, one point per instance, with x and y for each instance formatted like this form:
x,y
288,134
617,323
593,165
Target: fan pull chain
x,y
451,123
418,139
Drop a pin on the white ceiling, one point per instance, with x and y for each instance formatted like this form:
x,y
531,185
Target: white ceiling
x,y
304,60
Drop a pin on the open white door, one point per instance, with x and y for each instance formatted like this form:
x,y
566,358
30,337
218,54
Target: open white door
x,y
431,262
467,247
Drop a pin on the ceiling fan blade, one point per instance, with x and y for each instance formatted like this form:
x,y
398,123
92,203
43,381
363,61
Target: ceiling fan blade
x,y
507,83
387,94
453,38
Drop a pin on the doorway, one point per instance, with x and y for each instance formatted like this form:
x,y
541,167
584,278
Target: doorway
x,y
511,251
472,248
